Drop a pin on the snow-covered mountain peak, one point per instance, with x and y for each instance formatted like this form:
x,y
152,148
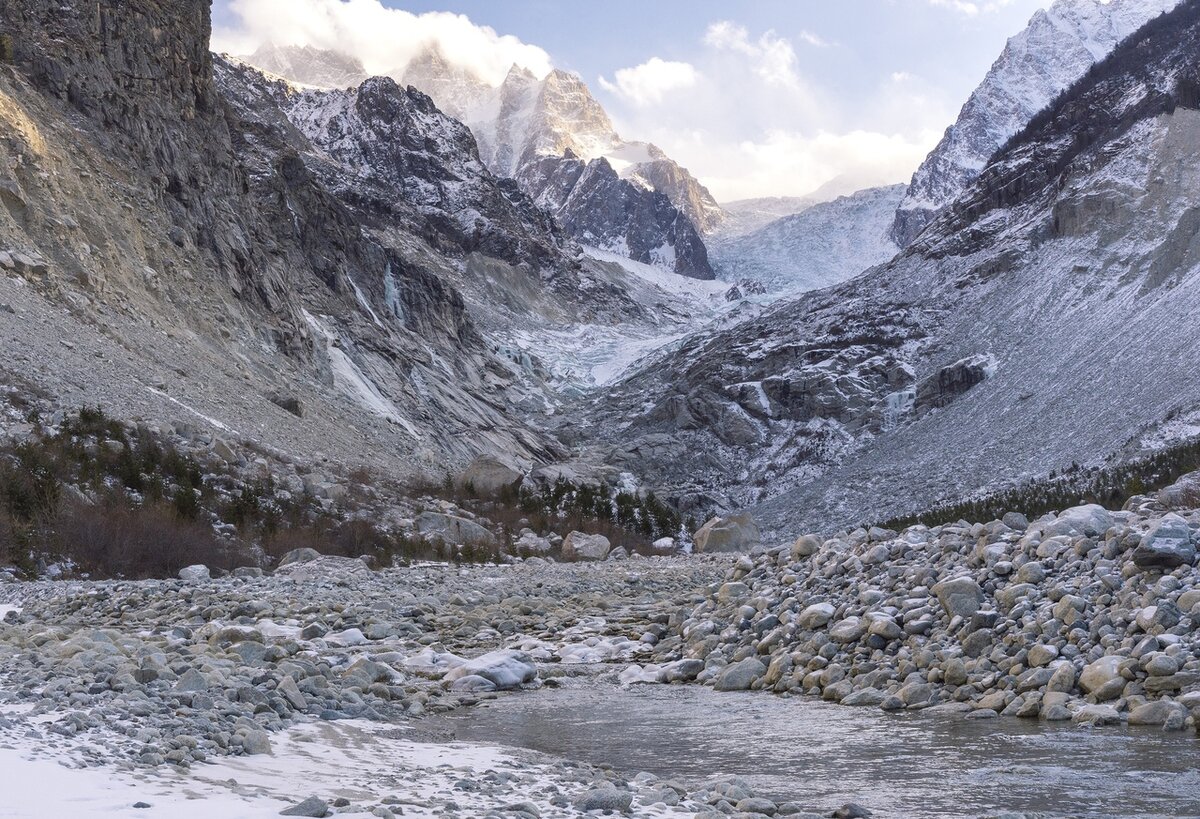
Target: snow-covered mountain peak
x,y
526,120
309,66
1054,51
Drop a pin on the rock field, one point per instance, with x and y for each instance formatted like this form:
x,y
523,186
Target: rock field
x,y
1086,616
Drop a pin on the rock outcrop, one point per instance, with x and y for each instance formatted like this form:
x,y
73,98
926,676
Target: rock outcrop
x,y
1054,51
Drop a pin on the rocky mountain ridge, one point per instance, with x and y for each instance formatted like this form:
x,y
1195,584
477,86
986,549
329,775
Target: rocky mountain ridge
x,y
525,122
965,362
1055,50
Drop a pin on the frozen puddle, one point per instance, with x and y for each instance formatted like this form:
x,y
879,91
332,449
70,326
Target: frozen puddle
x,y
361,761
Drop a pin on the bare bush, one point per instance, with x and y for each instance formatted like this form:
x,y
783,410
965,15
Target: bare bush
x,y
121,540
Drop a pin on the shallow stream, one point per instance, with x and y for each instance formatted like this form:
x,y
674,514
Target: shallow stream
x,y
822,755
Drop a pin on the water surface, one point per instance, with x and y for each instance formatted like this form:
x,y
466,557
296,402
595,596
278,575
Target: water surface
x,y
822,755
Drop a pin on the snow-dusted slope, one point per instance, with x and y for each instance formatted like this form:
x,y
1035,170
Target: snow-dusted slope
x,y
748,215
1056,49
1045,318
818,247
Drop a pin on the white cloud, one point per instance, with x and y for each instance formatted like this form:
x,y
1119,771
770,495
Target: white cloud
x,y
648,83
754,124
773,57
970,8
794,163
384,39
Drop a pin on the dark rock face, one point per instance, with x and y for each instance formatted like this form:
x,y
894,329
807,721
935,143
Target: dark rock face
x,y
342,292
684,190
599,208
950,382
394,144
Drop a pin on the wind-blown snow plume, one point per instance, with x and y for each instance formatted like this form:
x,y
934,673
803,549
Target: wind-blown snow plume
x,y
384,39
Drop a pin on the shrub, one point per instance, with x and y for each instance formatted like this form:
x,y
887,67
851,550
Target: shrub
x,y
119,539
6,48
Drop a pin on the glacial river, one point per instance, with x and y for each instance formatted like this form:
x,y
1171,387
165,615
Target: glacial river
x,y
823,755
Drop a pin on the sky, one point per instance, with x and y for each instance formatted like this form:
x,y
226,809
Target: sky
x,y
755,97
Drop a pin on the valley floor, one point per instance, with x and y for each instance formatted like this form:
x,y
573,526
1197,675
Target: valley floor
x,y
311,689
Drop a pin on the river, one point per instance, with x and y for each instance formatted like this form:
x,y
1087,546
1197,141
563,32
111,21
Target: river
x,y
823,755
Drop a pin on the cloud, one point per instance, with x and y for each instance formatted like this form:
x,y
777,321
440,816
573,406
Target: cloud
x,y
647,84
795,163
970,8
814,40
384,39
773,57
751,122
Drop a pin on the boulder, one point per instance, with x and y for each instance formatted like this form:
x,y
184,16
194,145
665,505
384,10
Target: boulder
x,y
1090,519
815,616
1167,545
299,556
195,574
850,630
736,533
582,546
326,568
489,475
1100,674
805,546
604,799
505,669
531,544
1183,494
257,742
960,596
664,545
740,676
312,806
1153,713
452,529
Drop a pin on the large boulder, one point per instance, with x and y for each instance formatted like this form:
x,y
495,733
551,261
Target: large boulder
x,y
1101,675
194,574
453,530
740,676
488,475
505,669
582,546
1183,494
959,596
1167,545
736,533
531,544
805,546
326,568
304,555
1090,519
815,616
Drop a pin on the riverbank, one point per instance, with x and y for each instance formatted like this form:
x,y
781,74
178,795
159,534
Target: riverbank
x,y
299,685
1088,616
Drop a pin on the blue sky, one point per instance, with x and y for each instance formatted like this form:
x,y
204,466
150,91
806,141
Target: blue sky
x,y
757,97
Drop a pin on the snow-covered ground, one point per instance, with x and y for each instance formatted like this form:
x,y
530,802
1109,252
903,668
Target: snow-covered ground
x,y
586,355
360,761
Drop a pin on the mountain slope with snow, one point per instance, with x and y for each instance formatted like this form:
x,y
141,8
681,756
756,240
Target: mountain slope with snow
x,y
1055,50
823,245
525,122
1042,320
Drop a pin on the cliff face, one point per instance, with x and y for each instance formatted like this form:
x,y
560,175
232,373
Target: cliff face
x,y
1054,51
194,229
